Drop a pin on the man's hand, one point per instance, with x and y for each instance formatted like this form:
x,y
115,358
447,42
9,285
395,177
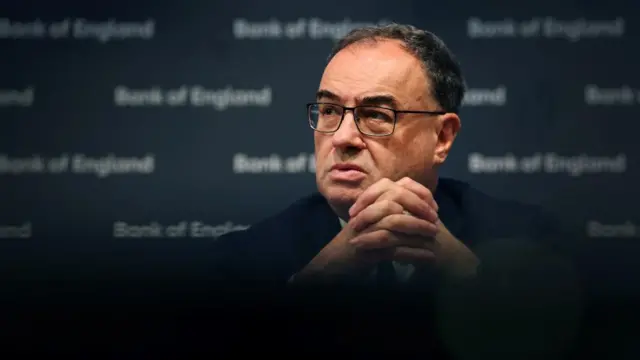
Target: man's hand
x,y
399,218
420,239
391,221
454,259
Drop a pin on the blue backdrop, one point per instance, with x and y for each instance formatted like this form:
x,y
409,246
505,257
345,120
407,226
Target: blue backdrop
x,y
128,131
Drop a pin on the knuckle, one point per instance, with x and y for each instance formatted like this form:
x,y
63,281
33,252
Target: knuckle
x,y
391,207
364,213
387,195
397,208
394,194
386,222
426,227
386,204
393,221
426,209
399,191
385,236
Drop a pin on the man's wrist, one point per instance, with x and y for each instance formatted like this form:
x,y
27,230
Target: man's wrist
x,y
458,261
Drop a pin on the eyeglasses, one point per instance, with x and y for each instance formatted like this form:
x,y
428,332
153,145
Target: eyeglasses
x,y
370,120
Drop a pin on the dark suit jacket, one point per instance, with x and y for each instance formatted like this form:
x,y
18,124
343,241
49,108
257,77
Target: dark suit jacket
x,y
527,290
271,251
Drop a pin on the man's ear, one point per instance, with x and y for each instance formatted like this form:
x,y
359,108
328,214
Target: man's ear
x,y
448,127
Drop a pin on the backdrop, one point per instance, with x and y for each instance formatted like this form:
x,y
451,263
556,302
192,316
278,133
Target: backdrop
x,y
128,131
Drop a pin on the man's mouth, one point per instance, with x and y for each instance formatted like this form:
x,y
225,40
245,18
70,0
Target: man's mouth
x,y
346,167
347,173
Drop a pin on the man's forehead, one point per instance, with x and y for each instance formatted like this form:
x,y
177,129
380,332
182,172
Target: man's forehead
x,y
367,57
373,68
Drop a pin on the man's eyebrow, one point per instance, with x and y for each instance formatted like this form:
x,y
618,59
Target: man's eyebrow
x,y
326,94
382,99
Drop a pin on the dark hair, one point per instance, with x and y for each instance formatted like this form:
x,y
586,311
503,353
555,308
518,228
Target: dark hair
x,y
440,65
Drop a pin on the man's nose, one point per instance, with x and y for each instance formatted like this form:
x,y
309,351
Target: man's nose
x,y
347,135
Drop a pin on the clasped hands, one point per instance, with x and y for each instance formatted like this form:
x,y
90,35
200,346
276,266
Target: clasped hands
x,y
395,221
399,221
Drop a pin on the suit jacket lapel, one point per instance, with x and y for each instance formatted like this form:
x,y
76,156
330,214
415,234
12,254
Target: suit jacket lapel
x,y
450,210
315,229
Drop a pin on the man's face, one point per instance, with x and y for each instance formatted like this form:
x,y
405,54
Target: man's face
x,y
419,143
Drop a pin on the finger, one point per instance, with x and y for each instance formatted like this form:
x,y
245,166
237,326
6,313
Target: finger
x,y
370,195
417,188
374,213
381,239
412,255
407,225
411,203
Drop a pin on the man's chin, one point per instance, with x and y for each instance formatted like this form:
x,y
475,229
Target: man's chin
x,y
341,196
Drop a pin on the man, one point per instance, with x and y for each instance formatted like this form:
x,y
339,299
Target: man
x,y
385,118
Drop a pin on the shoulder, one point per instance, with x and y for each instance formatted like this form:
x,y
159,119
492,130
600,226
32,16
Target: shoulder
x,y
491,217
305,224
526,258
269,249
294,215
507,226
280,224
494,213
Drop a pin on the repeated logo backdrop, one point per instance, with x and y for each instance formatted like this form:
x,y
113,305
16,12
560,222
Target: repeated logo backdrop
x,y
135,129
